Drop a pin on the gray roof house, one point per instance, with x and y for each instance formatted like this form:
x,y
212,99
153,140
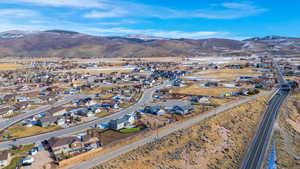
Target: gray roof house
x,y
182,109
123,122
156,110
47,121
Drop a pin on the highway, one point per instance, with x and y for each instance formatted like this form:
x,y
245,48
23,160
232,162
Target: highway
x,y
147,139
144,100
255,154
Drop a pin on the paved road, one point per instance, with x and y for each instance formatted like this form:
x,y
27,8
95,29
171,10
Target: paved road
x,y
145,99
7,123
254,157
108,156
255,154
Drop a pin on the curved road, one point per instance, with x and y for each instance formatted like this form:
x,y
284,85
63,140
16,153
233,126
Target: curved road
x,y
7,123
145,99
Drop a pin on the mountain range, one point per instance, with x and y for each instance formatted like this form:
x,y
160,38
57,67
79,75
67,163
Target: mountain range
x,y
62,43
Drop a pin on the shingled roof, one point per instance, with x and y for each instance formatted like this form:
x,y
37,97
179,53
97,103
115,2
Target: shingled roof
x,y
60,141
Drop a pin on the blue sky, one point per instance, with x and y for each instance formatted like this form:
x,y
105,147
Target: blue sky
x,y
165,18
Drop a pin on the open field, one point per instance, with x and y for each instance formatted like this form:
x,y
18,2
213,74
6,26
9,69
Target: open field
x,y
106,70
225,74
11,66
17,131
196,89
288,142
201,60
219,142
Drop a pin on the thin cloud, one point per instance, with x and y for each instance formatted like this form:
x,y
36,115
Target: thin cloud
x,y
106,14
159,33
17,13
122,8
230,11
61,3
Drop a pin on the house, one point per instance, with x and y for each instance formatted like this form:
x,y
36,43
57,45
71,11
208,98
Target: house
x,y
61,122
57,111
89,142
47,121
67,144
182,109
156,110
247,77
124,122
103,125
4,158
235,66
21,105
210,84
22,99
5,111
84,112
204,100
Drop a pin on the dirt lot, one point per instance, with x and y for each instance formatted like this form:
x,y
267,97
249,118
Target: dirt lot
x,y
41,160
111,136
219,142
288,142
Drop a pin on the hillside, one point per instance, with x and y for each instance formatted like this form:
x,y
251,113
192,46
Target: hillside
x,y
61,43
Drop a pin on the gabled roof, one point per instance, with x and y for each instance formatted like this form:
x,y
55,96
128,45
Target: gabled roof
x,y
4,110
60,141
3,155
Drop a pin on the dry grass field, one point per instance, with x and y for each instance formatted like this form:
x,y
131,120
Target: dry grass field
x,y
196,89
219,142
7,66
226,74
288,142
100,70
17,131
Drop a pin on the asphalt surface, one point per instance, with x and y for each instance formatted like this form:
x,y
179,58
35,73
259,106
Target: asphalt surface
x,y
7,123
255,154
186,124
144,100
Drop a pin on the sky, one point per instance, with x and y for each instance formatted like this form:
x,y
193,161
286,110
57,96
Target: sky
x,y
194,19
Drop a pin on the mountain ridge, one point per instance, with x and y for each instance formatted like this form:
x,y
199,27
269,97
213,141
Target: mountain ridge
x,y
64,43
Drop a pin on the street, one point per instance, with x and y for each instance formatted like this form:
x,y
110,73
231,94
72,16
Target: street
x,y
113,154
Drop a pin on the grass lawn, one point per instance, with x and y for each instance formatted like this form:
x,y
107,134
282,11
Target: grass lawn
x,y
22,150
18,154
14,162
17,131
103,113
131,130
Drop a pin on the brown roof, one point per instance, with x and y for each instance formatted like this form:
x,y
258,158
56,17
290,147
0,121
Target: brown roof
x,y
60,141
4,110
3,155
50,119
21,104
56,109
